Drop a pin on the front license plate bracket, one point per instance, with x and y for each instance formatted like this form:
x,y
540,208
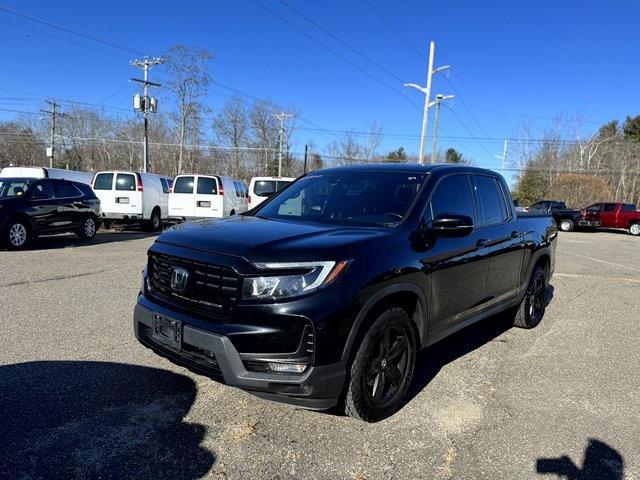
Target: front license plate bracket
x,y
167,331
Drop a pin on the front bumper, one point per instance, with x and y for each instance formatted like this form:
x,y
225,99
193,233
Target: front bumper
x,y
214,355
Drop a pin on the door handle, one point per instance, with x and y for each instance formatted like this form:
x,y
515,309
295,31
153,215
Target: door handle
x,y
515,234
482,243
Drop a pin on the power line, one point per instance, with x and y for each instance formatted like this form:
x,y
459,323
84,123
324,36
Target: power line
x,y
332,51
343,42
68,30
393,29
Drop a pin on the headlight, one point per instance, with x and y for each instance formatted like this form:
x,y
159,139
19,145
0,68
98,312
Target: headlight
x,y
304,278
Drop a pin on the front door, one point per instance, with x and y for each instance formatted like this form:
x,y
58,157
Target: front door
x,y
608,215
43,207
457,266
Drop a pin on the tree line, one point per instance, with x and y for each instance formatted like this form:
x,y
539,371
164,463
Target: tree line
x,y
601,167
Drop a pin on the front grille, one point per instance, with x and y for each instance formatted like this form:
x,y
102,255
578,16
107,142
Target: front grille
x,y
211,290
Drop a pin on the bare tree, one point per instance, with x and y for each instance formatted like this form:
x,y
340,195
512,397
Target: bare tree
x,y
189,78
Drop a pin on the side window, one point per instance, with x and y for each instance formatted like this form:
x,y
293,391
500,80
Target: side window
x,y
65,190
628,207
183,185
452,195
165,185
103,181
42,190
609,207
125,181
491,200
207,186
237,189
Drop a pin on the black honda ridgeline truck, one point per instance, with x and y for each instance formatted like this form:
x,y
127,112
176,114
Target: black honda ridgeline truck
x,y
324,293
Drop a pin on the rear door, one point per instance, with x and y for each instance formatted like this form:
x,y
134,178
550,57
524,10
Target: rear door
x,y
128,200
182,199
70,204
208,201
500,236
103,187
608,215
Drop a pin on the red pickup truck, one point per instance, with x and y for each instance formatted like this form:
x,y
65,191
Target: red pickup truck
x,y
612,215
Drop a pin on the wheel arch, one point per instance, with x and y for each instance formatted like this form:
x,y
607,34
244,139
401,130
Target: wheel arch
x,y
405,295
21,216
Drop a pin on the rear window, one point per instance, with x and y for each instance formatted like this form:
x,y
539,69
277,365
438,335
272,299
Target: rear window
x,y
125,181
264,188
207,186
85,189
491,200
183,185
103,181
65,190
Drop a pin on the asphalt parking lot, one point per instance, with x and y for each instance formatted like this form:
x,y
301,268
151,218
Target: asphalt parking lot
x,y
80,398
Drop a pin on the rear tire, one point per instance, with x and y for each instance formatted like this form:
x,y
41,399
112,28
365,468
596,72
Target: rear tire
x,y
567,225
155,222
534,303
382,367
17,235
634,229
87,231
232,212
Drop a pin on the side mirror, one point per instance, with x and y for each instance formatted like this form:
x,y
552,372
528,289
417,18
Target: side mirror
x,y
450,224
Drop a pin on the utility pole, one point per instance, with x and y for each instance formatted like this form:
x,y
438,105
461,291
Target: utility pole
x,y
146,104
427,95
305,158
439,99
52,142
503,158
282,116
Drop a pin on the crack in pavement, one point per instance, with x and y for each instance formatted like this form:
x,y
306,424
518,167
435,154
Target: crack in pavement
x,y
53,279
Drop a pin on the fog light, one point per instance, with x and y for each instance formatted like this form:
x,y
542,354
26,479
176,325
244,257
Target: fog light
x,y
287,367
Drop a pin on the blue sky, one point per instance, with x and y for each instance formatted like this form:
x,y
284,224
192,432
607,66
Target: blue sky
x,y
537,59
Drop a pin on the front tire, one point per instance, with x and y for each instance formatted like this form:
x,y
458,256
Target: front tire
x,y
567,225
534,304
634,229
88,229
17,234
382,367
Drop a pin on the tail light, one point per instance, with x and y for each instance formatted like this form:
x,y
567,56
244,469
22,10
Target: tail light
x,y
526,209
139,189
221,189
249,199
170,189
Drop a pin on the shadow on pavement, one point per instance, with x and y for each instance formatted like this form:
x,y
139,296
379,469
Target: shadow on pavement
x,y
70,240
601,462
70,419
431,360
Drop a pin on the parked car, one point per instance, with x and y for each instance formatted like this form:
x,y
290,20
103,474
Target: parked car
x,y
565,218
31,207
261,188
325,293
46,172
133,197
612,215
206,196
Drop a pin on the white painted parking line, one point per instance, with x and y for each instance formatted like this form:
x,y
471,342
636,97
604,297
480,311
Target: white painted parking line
x,y
601,261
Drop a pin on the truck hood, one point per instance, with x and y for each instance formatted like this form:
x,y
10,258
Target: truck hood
x,y
259,239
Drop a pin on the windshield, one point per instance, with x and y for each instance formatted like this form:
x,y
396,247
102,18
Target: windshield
x,y
14,187
347,198
540,205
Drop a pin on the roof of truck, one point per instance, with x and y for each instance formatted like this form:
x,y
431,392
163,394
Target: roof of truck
x,y
413,167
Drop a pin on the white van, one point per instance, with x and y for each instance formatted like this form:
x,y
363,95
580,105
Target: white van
x,y
46,172
133,197
206,196
261,188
